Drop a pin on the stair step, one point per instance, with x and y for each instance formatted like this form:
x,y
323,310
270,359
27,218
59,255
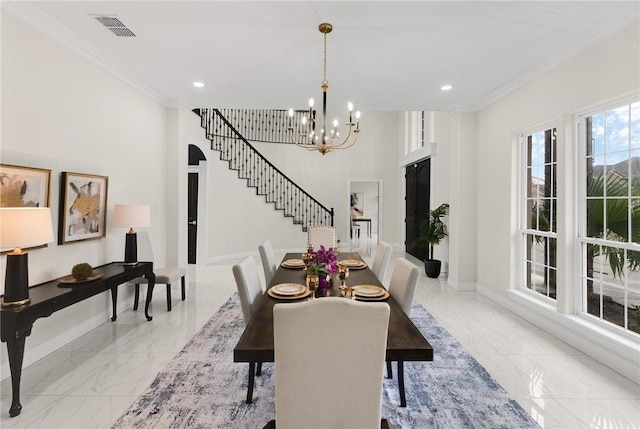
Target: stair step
x,y
228,141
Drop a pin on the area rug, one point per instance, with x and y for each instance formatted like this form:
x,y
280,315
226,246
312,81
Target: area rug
x,y
203,388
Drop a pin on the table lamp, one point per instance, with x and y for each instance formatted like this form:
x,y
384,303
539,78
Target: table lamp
x,y
131,216
22,227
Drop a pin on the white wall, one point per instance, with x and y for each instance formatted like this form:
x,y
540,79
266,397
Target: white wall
x,y
326,178
63,113
605,71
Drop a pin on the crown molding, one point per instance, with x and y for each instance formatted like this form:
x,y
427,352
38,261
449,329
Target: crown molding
x,y
33,16
536,73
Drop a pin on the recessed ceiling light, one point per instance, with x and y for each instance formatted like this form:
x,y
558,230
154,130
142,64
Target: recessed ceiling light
x,y
446,87
198,84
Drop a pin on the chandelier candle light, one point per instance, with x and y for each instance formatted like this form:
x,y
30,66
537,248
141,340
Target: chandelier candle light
x,y
325,140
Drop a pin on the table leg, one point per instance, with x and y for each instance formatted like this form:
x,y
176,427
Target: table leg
x,y
114,300
252,376
15,350
151,282
403,399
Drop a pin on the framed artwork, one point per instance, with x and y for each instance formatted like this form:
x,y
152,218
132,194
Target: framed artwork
x,y
24,186
357,204
83,207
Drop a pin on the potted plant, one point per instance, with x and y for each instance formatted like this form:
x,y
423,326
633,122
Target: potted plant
x,y
432,231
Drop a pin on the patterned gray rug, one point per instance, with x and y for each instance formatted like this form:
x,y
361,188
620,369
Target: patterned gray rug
x,y
203,388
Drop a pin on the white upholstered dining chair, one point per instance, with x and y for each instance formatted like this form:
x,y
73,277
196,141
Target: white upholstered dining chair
x,y
325,379
381,260
402,288
164,275
248,283
322,236
249,288
404,280
268,261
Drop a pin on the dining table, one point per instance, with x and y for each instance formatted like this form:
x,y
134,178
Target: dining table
x,y
405,343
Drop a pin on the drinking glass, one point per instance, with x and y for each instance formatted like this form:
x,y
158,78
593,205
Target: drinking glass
x,y
312,283
343,273
306,258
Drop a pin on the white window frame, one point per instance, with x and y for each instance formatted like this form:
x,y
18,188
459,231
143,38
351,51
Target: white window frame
x,y
523,230
581,238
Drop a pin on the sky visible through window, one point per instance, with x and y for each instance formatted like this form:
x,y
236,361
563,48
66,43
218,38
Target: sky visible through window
x,y
616,135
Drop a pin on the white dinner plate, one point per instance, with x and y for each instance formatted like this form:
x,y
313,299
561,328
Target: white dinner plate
x,y
293,263
286,289
352,263
369,291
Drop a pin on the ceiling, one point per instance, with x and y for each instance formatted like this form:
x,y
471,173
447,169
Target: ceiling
x,y
382,55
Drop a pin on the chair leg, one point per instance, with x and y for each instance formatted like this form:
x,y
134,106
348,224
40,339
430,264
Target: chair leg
x,y
389,370
168,296
259,370
136,296
183,289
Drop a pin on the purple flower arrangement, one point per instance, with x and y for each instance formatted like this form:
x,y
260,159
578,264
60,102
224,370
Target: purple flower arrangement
x,y
324,264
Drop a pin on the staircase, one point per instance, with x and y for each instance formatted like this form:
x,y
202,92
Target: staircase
x,y
275,186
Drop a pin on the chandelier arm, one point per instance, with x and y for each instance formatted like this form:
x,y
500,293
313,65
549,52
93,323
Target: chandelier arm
x,y
351,144
324,141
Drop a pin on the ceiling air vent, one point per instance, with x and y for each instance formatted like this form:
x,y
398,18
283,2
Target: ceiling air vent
x,y
115,26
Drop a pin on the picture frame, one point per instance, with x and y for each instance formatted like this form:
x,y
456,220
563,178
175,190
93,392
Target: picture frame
x,y
83,207
356,201
24,187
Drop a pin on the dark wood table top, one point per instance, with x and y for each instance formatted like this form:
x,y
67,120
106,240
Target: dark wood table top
x,y
404,340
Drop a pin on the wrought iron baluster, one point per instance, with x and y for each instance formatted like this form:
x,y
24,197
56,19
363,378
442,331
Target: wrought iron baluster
x,y
252,166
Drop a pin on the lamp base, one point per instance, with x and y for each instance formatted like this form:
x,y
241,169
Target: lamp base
x,y
16,282
131,249
16,303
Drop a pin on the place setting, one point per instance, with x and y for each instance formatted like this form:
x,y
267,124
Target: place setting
x,y
293,263
289,291
370,293
353,264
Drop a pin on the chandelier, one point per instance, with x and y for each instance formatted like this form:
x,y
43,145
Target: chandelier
x,y
324,139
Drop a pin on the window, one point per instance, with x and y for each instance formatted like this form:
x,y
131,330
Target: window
x,y
414,131
538,211
610,215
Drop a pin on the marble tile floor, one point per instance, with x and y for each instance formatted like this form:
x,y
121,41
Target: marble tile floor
x,y
90,382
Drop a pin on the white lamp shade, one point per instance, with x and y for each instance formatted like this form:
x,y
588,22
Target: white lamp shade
x,y
131,216
25,227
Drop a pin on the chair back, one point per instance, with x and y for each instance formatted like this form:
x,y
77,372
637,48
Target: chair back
x,y
329,363
381,260
322,236
248,283
403,283
268,261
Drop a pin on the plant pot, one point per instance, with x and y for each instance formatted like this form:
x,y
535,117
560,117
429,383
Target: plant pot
x,y
432,267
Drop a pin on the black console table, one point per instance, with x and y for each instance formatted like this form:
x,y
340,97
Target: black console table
x,y
49,297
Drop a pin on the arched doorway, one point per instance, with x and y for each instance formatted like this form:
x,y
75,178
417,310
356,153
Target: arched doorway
x,y
195,158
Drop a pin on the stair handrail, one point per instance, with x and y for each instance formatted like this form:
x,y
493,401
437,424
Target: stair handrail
x,y
205,112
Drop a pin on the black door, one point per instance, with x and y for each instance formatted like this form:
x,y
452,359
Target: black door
x,y
192,214
418,185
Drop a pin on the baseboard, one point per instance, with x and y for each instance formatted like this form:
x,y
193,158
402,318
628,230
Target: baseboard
x,y
463,286
615,350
